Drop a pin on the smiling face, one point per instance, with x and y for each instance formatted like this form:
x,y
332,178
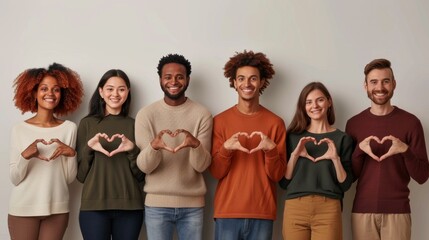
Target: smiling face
x,y
114,93
380,85
48,94
317,105
174,83
247,83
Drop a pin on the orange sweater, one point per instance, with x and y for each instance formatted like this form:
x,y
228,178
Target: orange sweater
x,y
247,182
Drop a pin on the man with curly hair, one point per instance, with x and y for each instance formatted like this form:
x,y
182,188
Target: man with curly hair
x,y
174,135
249,154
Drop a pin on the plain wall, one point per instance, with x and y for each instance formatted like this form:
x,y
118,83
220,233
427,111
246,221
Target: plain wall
x,y
320,40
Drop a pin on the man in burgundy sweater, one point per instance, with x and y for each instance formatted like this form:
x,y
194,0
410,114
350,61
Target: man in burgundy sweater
x,y
390,150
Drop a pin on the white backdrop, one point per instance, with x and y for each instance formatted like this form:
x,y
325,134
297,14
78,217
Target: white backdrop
x,y
306,40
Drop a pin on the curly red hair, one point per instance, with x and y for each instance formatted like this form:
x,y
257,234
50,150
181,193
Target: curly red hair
x,y
27,82
249,58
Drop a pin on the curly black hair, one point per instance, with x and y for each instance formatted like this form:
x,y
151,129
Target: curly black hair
x,y
249,58
174,58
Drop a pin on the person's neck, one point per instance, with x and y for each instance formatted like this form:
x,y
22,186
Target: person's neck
x,y
248,107
381,110
175,102
321,126
44,119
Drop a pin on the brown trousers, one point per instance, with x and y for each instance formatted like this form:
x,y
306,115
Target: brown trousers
x,y
50,227
312,217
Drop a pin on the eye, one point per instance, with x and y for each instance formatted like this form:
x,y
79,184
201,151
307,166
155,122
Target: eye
x,y
57,90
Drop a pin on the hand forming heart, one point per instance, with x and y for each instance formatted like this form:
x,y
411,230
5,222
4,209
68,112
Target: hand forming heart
x,y
33,150
188,141
124,146
397,146
300,150
265,144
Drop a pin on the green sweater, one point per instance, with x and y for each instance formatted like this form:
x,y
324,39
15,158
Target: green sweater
x,y
319,178
108,182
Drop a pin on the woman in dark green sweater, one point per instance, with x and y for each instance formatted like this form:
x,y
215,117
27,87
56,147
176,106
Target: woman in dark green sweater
x,y
112,199
318,170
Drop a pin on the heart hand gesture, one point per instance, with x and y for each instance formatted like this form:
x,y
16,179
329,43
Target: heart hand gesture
x,y
331,153
157,143
62,149
190,140
126,144
397,147
94,143
33,151
265,144
301,151
234,144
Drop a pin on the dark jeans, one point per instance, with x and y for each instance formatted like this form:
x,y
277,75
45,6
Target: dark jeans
x,y
111,224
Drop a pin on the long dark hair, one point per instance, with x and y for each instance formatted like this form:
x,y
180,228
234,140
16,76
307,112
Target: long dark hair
x,y
97,105
301,120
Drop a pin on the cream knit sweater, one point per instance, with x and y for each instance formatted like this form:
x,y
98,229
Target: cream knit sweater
x,y
174,179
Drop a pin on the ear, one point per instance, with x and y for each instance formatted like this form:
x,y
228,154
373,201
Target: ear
x,y
394,84
235,83
100,91
365,85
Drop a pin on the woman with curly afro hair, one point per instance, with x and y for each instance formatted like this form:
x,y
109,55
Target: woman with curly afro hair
x,y
42,156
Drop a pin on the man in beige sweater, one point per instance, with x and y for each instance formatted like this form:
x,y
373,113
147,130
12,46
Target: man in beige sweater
x,y
174,135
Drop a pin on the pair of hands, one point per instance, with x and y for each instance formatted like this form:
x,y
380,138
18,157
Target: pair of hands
x,y
301,151
62,149
189,141
233,142
125,145
397,146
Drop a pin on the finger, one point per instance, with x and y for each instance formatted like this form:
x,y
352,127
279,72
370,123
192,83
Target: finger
x,y
114,152
375,138
42,158
390,137
243,149
179,147
105,152
374,156
256,133
168,149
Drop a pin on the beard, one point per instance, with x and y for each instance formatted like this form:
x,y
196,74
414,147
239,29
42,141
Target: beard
x,y
380,101
175,96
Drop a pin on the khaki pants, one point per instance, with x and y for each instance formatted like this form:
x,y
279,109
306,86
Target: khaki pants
x,y
381,226
312,217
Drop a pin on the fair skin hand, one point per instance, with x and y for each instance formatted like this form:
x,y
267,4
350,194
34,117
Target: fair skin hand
x,y
189,141
330,154
62,149
124,146
397,146
233,143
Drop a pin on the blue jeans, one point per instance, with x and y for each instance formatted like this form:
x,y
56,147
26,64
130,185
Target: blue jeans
x,y
160,223
111,224
243,228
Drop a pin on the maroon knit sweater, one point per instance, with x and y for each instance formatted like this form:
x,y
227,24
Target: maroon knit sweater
x,y
383,186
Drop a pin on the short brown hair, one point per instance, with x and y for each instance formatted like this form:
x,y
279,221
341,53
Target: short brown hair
x,y
249,58
379,63
28,81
